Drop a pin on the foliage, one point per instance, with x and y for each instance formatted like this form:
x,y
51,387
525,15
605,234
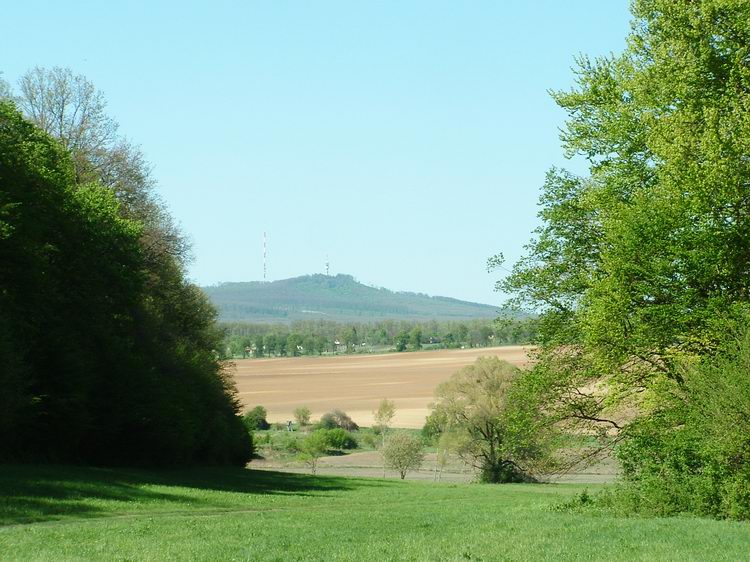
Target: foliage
x,y
255,419
107,351
302,415
691,454
638,268
313,447
402,341
434,426
337,418
340,438
403,452
70,108
496,425
383,416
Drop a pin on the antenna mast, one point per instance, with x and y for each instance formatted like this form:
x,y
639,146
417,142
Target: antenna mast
x,y
264,257
328,265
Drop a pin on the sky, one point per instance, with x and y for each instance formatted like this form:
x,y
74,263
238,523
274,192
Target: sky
x,y
403,141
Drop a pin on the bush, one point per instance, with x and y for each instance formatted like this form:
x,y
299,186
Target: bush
x,y
287,443
369,439
692,455
337,418
341,439
302,416
255,419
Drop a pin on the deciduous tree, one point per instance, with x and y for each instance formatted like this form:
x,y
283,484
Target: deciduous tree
x,y
496,430
403,452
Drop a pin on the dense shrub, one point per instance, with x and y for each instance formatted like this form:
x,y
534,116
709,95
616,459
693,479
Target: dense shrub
x,y
337,418
255,419
341,439
285,442
692,455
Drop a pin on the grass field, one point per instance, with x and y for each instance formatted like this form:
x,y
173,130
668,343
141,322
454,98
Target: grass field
x,y
64,513
357,383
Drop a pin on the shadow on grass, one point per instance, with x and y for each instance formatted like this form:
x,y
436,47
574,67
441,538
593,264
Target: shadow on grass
x,y
35,493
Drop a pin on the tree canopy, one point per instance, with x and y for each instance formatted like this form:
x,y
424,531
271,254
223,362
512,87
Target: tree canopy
x,y
494,426
642,266
107,352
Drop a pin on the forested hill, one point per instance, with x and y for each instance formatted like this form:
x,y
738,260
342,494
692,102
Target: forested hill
x,y
340,298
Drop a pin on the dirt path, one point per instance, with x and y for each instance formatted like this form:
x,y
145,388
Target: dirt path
x,y
357,383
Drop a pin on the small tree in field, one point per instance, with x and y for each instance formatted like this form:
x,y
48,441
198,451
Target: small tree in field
x,y
383,417
302,416
313,447
403,452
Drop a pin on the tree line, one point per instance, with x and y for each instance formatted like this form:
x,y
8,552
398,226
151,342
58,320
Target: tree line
x,y
325,337
107,352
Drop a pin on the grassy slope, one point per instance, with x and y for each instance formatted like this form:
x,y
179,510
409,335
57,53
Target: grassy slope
x,y
64,513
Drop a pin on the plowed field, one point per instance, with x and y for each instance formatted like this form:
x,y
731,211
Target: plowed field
x,y
357,383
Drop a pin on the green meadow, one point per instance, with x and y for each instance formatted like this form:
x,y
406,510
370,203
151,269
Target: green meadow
x,y
72,513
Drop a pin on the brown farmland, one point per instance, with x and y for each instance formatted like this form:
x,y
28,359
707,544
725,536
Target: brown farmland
x,y
357,383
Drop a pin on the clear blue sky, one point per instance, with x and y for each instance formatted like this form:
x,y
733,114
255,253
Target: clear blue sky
x,y
405,140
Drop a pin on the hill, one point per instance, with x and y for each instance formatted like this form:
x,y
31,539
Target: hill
x,y
338,298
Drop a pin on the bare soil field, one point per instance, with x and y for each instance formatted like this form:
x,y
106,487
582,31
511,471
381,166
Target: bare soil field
x,y
357,383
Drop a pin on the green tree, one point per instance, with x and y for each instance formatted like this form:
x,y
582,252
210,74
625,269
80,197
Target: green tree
x,y
313,447
258,346
302,416
255,419
403,452
637,266
269,344
415,338
108,354
383,417
496,424
402,341
68,107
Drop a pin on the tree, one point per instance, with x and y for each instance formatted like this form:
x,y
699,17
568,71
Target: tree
x,y
494,423
415,338
5,92
641,266
255,419
302,415
313,447
107,357
636,261
402,341
403,452
446,445
383,417
70,108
